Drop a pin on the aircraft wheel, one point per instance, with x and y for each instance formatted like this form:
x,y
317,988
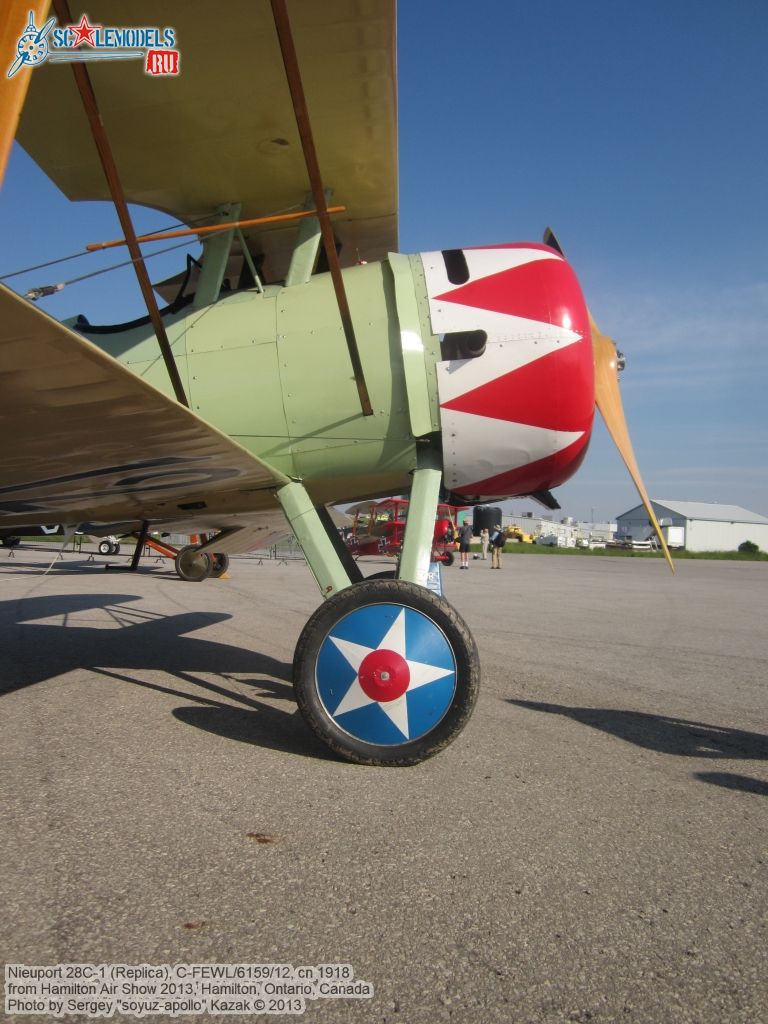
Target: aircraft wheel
x,y
448,558
386,673
115,549
193,565
10,542
105,548
387,574
219,564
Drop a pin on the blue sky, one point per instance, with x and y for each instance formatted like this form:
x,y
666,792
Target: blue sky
x,y
637,130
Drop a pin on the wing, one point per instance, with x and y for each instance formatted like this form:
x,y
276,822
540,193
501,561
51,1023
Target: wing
x,y
360,506
224,130
86,440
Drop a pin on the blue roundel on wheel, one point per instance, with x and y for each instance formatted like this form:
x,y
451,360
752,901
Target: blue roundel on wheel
x,y
386,674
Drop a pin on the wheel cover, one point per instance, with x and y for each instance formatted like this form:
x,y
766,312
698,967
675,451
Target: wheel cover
x,y
193,564
386,674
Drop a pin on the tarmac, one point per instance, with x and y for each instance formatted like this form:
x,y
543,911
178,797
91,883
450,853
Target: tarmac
x,y
591,848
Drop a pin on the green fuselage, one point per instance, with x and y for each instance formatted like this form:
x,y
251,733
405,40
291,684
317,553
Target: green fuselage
x,y
272,370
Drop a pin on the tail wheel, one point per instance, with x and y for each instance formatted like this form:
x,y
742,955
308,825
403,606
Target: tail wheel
x,y
219,564
386,673
193,565
447,557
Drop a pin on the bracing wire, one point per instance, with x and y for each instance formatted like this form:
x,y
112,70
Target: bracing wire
x,y
49,289
88,252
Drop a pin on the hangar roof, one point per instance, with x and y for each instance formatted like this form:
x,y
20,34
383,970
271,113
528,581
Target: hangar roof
x,y
704,510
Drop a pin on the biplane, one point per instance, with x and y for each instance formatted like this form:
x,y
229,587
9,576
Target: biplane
x,y
302,361
378,528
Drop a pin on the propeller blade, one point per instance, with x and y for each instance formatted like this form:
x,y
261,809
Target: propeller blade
x,y
608,401
550,239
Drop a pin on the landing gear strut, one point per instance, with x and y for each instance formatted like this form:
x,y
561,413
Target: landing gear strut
x,y
385,671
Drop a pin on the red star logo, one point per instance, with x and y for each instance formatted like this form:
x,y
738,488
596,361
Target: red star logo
x,y
84,32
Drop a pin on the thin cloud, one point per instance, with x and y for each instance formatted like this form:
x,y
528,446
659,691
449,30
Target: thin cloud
x,y
692,319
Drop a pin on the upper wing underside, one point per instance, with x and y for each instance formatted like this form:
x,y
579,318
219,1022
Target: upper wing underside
x,y
224,129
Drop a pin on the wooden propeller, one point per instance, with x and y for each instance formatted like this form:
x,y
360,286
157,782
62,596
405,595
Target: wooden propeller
x,y
608,401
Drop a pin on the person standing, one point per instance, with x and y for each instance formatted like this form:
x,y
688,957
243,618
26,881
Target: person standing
x,y
465,538
498,540
485,540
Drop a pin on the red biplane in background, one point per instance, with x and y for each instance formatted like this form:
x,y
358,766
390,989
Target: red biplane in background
x,y
378,528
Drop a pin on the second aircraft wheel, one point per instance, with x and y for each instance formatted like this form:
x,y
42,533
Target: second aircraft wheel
x,y
192,564
219,564
386,673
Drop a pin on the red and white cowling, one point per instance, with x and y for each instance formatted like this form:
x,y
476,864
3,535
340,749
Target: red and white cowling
x,y
516,419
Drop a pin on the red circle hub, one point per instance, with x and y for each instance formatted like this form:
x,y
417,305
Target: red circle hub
x,y
384,675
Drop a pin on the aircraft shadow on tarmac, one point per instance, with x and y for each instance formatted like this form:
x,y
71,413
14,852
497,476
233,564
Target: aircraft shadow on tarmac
x,y
36,651
672,736
76,564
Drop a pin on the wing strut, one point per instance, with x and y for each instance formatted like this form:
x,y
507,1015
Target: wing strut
x,y
88,97
293,75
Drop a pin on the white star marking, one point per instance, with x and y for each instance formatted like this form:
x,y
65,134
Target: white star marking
x,y
420,674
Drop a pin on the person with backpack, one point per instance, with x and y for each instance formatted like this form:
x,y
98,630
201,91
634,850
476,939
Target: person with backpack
x,y
498,540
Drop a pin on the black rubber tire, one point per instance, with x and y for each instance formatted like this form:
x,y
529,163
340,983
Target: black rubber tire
x,y
387,574
448,558
219,564
193,565
455,632
115,549
105,548
10,542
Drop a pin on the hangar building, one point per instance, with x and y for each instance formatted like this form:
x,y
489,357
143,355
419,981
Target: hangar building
x,y
708,526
